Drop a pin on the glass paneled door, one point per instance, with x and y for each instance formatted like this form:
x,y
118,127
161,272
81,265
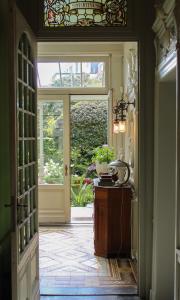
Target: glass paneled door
x,y
53,149
24,202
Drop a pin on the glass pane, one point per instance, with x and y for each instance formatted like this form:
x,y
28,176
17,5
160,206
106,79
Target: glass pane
x,y
50,142
26,128
63,13
48,75
93,74
71,74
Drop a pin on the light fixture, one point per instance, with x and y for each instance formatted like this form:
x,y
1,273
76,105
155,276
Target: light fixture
x,y
120,111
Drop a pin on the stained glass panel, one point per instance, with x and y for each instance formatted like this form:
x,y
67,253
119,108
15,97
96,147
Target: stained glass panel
x,y
63,13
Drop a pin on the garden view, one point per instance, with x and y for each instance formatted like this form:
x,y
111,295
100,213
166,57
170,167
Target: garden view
x,y
88,130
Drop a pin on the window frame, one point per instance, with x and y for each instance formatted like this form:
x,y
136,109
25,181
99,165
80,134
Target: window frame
x,y
77,58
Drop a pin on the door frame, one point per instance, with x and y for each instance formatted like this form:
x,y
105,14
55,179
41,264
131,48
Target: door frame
x,y
66,97
113,95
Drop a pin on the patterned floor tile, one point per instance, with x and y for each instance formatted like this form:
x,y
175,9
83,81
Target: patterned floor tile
x,y
67,260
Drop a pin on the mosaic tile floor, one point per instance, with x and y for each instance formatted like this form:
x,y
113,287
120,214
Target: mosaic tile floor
x,y
67,260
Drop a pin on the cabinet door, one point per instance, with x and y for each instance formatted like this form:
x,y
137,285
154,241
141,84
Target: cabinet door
x,y
125,222
119,222
100,227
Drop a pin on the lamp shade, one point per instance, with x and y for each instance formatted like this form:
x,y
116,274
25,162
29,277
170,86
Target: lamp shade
x,y
122,126
116,126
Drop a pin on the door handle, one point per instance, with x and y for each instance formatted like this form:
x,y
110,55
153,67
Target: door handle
x,y
8,205
66,170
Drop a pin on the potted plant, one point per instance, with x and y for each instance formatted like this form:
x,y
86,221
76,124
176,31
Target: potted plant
x,y
102,157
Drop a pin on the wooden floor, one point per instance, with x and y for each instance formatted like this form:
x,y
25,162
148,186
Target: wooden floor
x,y
110,297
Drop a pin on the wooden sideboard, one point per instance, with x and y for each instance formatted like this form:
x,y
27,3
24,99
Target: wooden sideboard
x,y
112,221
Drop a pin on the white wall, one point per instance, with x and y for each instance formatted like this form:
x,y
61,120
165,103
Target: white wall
x,y
130,137
51,205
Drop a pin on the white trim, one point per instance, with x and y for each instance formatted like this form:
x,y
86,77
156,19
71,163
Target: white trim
x,y
54,187
52,216
167,65
74,58
87,97
67,183
72,91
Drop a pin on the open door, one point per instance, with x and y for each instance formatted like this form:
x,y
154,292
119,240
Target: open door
x,y
25,278
54,166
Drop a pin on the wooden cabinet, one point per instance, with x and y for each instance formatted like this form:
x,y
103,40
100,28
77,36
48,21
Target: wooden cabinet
x,y
112,221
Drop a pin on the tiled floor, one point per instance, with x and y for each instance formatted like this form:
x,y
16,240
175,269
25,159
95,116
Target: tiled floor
x,y
67,261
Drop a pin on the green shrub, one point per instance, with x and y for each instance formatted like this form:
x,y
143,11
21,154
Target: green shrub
x,y
103,154
88,131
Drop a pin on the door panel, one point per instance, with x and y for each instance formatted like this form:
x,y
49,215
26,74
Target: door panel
x,y
53,145
5,196
25,277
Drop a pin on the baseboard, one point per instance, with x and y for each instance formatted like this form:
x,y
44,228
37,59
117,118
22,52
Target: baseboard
x,y
51,216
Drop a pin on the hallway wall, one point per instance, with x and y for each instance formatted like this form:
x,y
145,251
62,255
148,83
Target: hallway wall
x,y
164,196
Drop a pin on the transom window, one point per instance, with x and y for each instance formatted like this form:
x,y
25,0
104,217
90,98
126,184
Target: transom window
x,y
63,13
86,74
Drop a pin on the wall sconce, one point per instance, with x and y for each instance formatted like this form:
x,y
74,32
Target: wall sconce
x,y
120,111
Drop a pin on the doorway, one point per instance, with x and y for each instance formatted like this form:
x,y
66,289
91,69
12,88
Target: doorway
x,y
69,130
69,80
63,90
89,129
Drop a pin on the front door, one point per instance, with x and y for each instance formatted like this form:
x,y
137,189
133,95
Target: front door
x,y
25,278
53,148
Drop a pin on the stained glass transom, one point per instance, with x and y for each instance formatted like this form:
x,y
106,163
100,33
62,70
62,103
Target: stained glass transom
x,y
62,13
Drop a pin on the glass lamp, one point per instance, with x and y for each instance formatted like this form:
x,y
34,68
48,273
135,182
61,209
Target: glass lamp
x,y
116,126
122,126
120,111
